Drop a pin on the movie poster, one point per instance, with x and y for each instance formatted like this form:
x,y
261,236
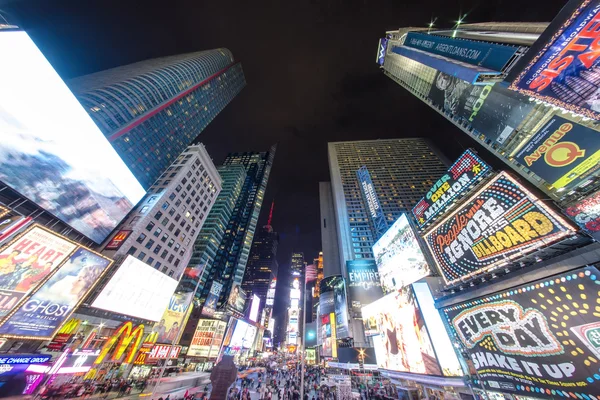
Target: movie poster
x,y
237,298
210,305
52,304
541,339
170,327
341,308
27,261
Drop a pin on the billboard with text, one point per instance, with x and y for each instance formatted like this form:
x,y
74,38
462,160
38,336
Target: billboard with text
x,y
541,339
500,222
364,284
210,305
586,213
170,327
207,338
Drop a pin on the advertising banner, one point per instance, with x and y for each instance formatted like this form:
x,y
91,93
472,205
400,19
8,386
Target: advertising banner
x,y
311,356
399,258
500,222
117,241
364,285
400,337
42,314
170,326
325,334
207,338
565,71
333,300
371,201
271,292
28,260
210,305
562,152
462,175
541,339
237,299
254,306
484,54
11,223
586,213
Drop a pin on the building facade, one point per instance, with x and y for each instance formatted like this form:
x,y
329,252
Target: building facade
x,y
152,110
402,170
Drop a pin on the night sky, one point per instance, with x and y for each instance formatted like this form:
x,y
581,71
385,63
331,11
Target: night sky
x,y
310,68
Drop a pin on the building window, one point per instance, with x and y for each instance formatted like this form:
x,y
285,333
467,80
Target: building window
x,y
165,205
144,209
171,272
141,256
177,232
131,250
157,232
134,220
150,260
171,257
158,215
164,254
178,188
164,238
157,265
170,244
157,249
177,217
164,221
172,196
171,227
141,238
149,244
164,270
177,246
150,226
172,211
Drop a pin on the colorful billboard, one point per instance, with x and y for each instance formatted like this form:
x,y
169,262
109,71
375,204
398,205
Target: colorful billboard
x,y
170,326
333,300
26,261
462,175
399,334
372,202
138,290
399,258
43,313
562,152
500,222
210,305
237,298
364,285
254,308
271,292
52,152
383,43
207,339
586,213
541,339
564,72
484,54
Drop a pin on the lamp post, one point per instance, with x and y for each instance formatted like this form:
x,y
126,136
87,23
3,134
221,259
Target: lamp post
x,y
302,358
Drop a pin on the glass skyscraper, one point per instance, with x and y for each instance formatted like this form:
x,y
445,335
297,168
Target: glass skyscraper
x,y
152,110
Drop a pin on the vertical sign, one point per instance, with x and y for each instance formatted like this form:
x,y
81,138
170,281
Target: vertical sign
x,y
370,196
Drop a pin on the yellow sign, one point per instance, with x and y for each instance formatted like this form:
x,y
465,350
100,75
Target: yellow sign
x,y
125,335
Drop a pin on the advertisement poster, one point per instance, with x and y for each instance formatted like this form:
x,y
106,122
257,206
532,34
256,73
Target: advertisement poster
x,y
446,93
207,338
371,201
117,241
237,299
170,327
28,260
364,285
562,152
52,304
500,222
467,170
541,339
399,258
586,213
383,42
399,334
210,305
565,71
341,308
324,335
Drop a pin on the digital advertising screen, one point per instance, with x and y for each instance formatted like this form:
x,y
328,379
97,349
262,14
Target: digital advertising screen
x,y
170,327
249,337
26,261
52,152
237,299
541,339
47,308
254,308
138,290
563,72
461,176
399,334
239,333
500,222
207,338
364,285
333,300
586,213
210,305
399,258
562,153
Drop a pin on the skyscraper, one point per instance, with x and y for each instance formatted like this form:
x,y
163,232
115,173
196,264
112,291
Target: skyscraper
x,y
152,110
402,170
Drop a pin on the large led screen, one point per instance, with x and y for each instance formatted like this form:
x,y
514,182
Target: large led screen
x,y
239,334
43,313
28,260
52,152
398,256
399,334
500,222
138,290
541,339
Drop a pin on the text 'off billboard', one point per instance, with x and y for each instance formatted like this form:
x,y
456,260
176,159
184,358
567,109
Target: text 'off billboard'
x,y
565,72
460,176
51,150
502,221
541,339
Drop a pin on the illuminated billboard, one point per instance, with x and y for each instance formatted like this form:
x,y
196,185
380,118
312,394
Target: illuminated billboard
x,y
399,258
383,43
564,72
138,290
562,152
372,202
237,299
28,260
239,335
500,222
170,326
52,152
399,334
207,338
467,170
586,213
542,338
333,300
210,305
271,292
254,308
43,313
364,284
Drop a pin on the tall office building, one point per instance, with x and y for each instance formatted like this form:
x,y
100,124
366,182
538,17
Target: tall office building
x,y
152,110
401,170
297,265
